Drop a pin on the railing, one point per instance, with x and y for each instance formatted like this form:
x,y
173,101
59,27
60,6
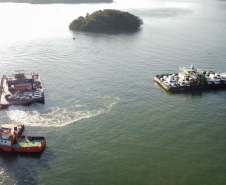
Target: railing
x,y
21,75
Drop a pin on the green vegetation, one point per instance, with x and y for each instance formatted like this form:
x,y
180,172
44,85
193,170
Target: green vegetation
x,y
106,20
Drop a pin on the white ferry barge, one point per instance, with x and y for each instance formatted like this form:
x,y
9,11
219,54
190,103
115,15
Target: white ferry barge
x,y
191,78
21,89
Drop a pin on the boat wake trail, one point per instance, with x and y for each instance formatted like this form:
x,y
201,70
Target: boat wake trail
x,y
34,115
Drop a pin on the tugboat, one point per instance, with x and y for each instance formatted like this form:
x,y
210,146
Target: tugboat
x,y
10,141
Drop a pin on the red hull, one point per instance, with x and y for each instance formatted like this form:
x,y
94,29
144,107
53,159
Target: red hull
x,y
23,149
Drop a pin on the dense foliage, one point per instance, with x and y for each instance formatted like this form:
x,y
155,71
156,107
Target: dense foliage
x,y
106,20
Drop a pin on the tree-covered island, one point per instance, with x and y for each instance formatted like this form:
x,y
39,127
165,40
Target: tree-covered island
x,y
106,20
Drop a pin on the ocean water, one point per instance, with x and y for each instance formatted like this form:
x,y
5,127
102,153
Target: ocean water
x,y
105,119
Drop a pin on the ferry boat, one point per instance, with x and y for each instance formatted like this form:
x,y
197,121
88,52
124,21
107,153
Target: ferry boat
x,y
191,78
10,141
21,88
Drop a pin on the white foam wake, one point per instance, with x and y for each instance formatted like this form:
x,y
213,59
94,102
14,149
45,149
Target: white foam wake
x,y
57,116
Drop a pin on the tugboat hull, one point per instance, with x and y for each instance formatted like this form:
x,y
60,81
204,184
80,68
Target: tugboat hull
x,y
29,144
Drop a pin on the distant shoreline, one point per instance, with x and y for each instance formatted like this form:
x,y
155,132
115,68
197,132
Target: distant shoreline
x,y
56,1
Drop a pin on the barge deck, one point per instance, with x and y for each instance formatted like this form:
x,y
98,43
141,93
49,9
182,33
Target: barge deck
x,y
188,88
191,79
21,89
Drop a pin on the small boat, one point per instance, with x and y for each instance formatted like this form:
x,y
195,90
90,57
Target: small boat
x,y
10,141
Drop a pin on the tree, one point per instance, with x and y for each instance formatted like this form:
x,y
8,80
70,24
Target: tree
x,y
106,20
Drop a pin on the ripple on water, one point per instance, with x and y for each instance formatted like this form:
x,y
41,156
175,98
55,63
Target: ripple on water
x,y
5,178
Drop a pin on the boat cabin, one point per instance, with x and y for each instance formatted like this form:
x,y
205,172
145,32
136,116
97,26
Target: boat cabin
x,y
7,138
19,81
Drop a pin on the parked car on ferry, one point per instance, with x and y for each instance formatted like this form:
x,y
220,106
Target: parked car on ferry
x,y
27,94
37,96
173,85
16,96
183,82
171,81
37,93
166,83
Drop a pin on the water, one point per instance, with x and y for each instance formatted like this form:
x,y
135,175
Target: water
x,y
105,119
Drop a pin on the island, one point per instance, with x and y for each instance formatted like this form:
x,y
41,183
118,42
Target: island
x,y
106,20
57,1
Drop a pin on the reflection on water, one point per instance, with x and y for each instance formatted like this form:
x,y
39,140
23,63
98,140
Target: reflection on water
x,y
20,168
165,12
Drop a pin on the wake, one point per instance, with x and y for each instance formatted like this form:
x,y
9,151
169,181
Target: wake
x,y
57,116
